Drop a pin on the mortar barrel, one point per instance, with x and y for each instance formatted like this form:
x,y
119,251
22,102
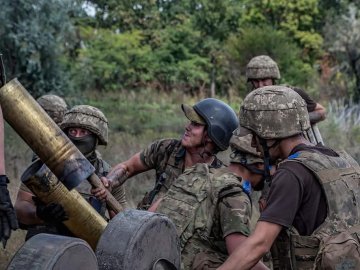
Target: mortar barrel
x,y
84,221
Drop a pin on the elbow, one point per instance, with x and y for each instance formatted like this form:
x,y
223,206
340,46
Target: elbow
x,y
322,114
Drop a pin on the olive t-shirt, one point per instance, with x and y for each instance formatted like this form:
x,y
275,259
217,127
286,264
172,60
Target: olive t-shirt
x,y
296,197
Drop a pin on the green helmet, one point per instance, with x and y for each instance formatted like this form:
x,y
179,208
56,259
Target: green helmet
x,y
87,117
242,152
54,106
262,67
273,112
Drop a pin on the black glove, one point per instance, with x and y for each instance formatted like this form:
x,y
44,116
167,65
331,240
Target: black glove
x,y
8,219
52,213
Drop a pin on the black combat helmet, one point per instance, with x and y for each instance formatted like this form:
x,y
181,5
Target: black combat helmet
x,y
220,118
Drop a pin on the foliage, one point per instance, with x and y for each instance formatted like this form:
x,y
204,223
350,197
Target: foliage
x,y
265,40
109,60
173,45
342,36
35,37
296,18
176,58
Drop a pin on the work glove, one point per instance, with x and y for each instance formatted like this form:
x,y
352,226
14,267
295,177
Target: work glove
x,y
52,213
8,220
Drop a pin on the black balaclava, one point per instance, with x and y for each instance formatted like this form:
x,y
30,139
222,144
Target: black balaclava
x,y
86,144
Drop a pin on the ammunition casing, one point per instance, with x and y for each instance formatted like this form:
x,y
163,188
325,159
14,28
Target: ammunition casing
x,y
41,133
84,222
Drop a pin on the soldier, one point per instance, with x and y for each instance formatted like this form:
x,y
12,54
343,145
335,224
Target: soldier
x,y
8,219
54,106
86,127
211,121
311,194
263,71
246,162
206,202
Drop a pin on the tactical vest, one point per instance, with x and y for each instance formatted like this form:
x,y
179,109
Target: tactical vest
x,y
191,203
339,178
169,170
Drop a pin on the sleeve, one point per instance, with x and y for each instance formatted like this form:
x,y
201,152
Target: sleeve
x,y
310,103
235,214
284,199
155,153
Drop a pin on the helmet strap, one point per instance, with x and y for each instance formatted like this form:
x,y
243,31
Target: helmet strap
x,y
267,158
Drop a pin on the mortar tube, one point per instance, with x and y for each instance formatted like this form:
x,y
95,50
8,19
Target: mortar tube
x,y
84,221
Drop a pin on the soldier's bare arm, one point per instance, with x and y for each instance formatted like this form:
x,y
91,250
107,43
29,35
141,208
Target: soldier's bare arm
x,y
249,253
119,174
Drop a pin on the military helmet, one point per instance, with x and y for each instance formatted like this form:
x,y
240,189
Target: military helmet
x,y
54,106
241,150
262,67
273,112
87,117
220,118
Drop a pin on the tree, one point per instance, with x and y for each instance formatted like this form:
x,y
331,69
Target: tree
x,y
110,60
297,18
34,39
342,38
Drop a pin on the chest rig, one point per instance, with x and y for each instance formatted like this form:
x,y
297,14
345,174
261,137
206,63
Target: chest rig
x,y
340,181
191,203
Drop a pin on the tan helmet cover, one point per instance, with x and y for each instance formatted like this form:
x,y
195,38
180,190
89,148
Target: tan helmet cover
x,y
273,112
262,67
54,106
192,115
242,151
87,117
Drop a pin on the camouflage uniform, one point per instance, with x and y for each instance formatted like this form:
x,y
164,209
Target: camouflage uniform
x,y
54,106
167,157
206,205
338,175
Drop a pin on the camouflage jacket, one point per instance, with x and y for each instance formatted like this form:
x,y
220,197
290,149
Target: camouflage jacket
x,y
167,157
339,178
206,205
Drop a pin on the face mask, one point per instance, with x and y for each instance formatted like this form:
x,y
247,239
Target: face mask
x,y
86,144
